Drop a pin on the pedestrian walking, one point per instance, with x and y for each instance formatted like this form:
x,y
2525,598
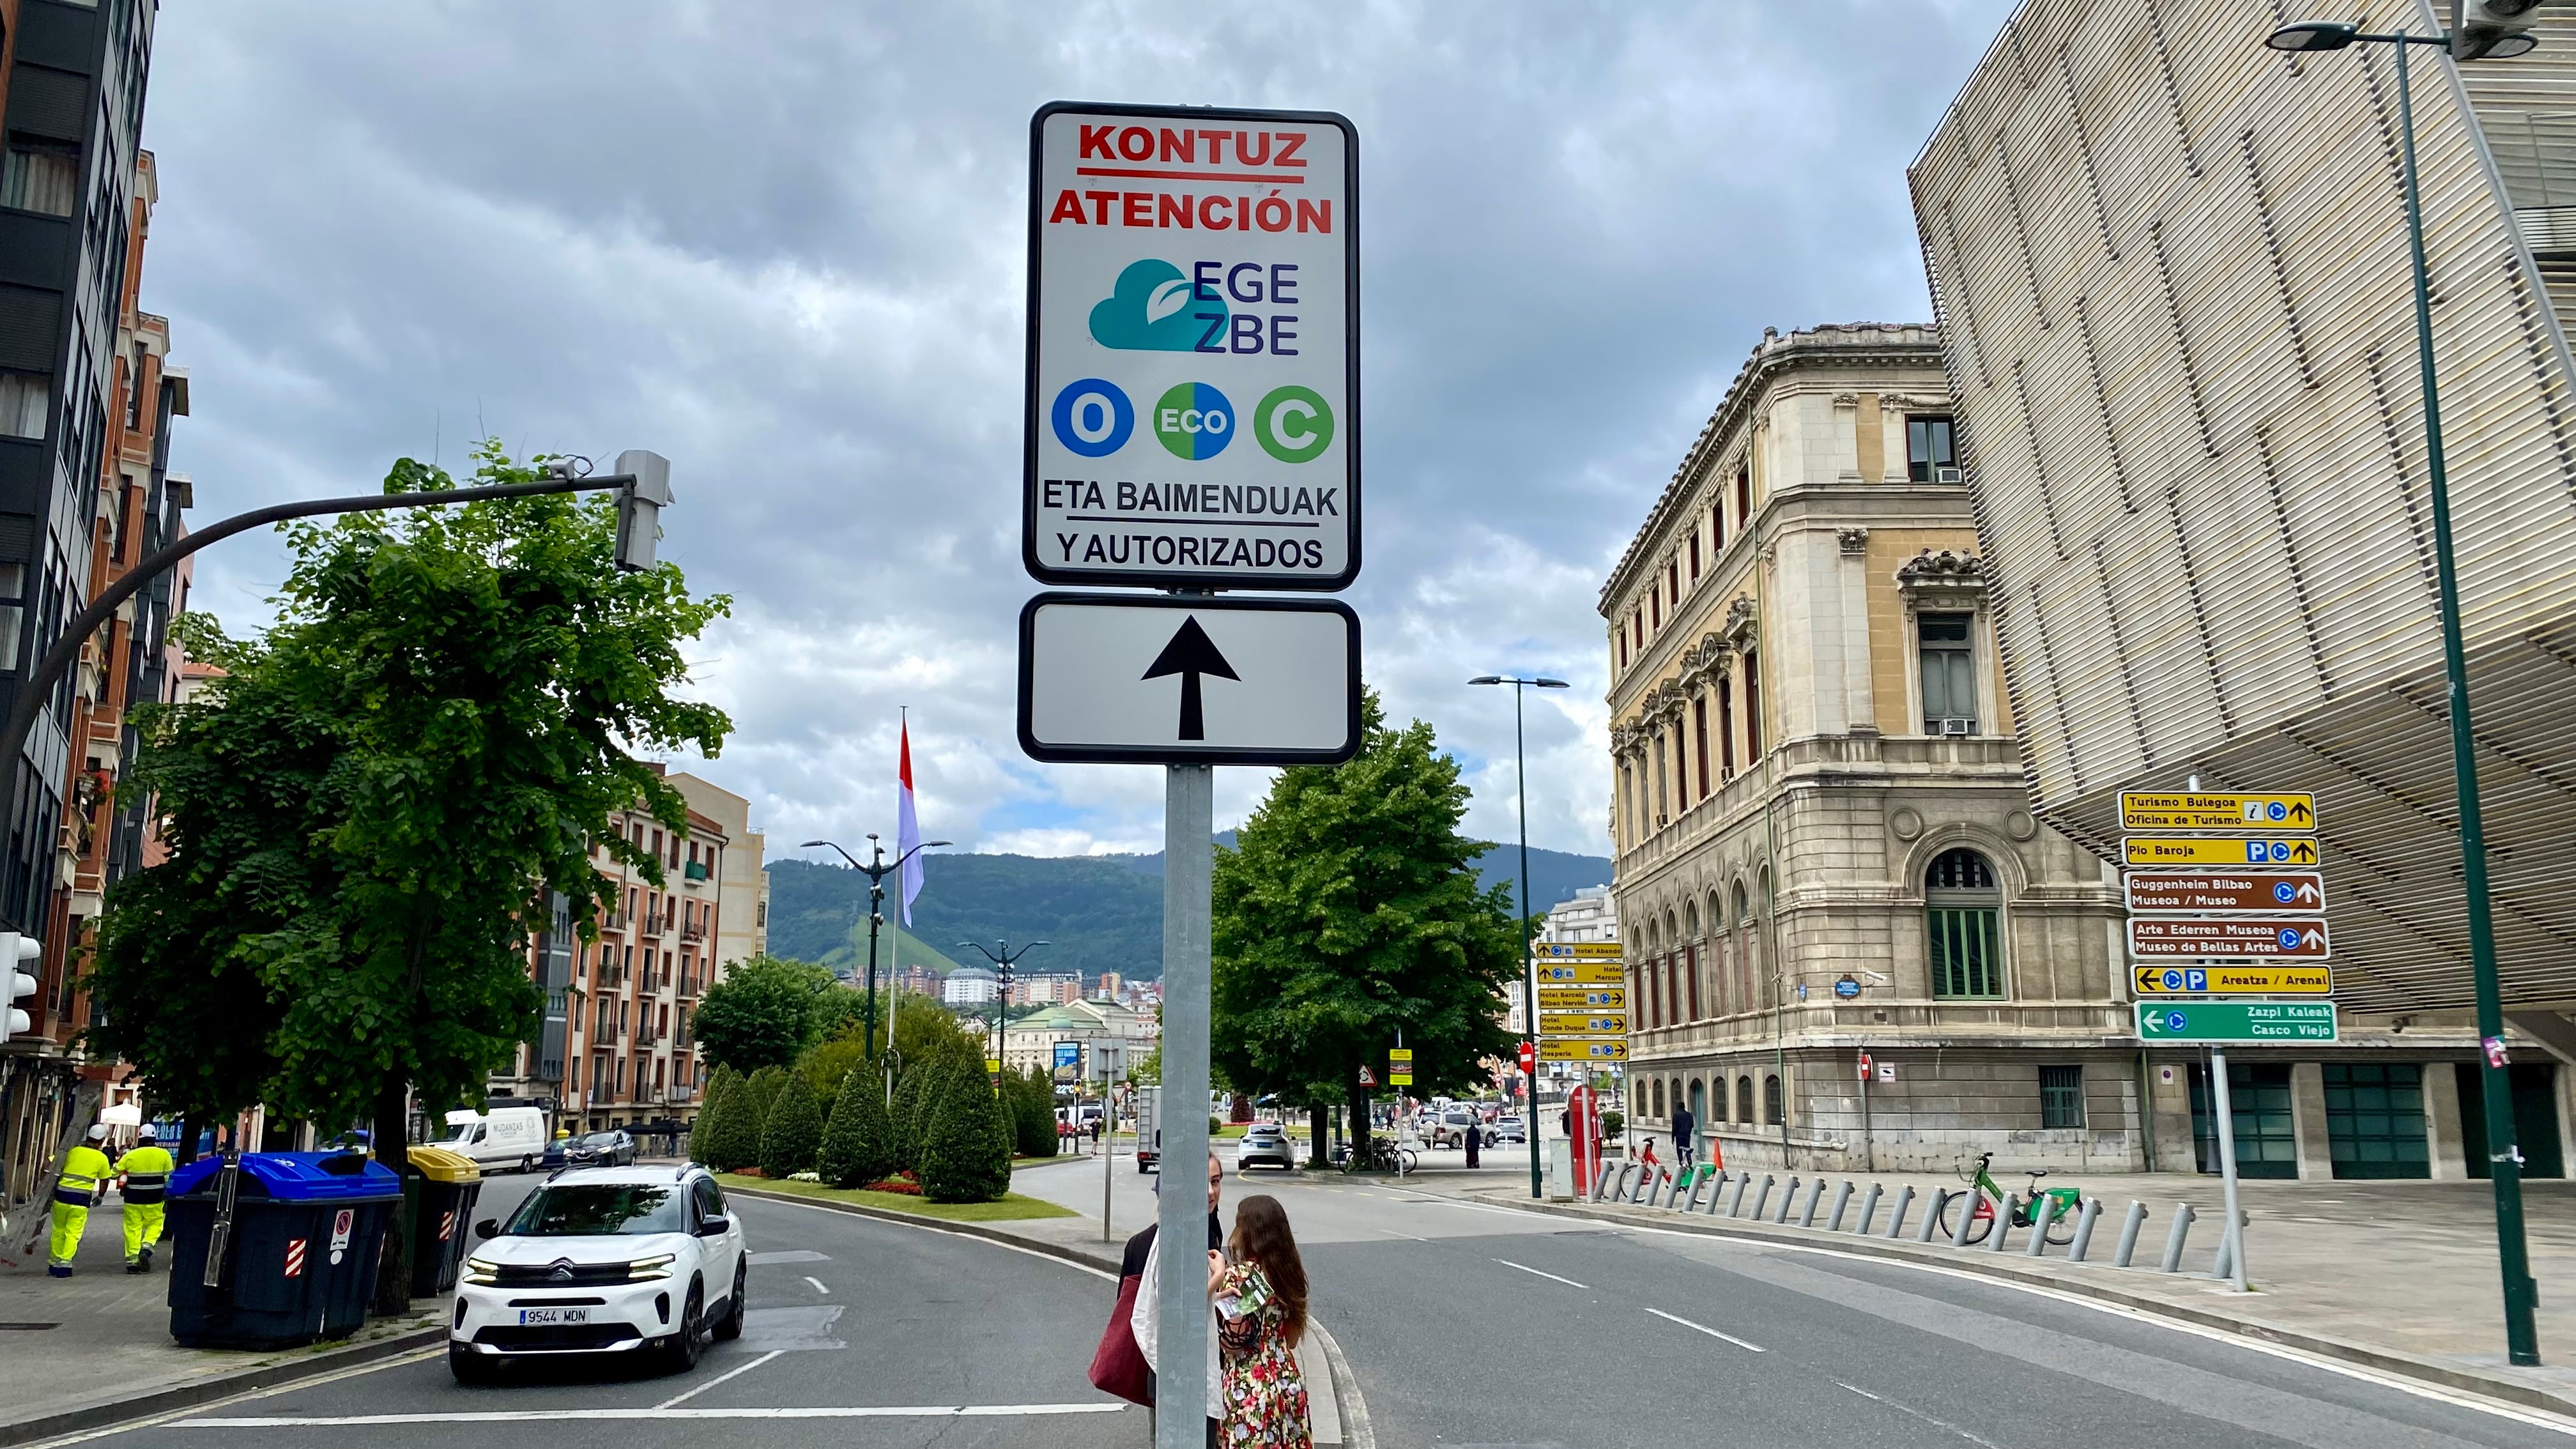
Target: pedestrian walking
x,y
1685,1136
142,1176
85,1174
1261,1301
1475,1143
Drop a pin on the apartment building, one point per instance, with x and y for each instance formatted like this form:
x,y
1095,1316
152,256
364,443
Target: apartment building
x,y
1823,848
2176,301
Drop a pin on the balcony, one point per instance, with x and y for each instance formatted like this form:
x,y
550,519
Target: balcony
x,y
645,1036
695,931
696,870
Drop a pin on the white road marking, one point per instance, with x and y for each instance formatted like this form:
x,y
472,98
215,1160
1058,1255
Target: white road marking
x,y
1711,1332
1526,1268
674,1403
1917,1413
1392,1233
510,1416
788,1255
817,1282
945,1233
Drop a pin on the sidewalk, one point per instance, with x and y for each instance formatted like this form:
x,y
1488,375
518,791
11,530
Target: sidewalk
x,y
102,1337
2398,1273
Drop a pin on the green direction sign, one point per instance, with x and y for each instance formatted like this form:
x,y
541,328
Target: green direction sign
x,y
2290,1023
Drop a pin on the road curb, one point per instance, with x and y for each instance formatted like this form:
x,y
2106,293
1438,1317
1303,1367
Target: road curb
x,y
1353,1410
223,1386
2462,1377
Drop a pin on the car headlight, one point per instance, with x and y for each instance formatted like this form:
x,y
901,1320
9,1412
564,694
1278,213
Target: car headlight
x,y
657,1266
482,1270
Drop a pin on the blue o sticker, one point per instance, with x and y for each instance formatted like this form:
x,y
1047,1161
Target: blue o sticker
x,y
1092,417
2279,811
2289,939
2173,1021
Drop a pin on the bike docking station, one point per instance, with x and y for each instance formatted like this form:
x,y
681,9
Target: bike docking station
x,y
1181,258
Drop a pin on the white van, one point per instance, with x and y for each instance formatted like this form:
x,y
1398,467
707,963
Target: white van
x,y
502,1137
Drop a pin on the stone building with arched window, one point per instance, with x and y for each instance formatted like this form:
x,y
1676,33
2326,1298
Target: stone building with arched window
x,y
1822,841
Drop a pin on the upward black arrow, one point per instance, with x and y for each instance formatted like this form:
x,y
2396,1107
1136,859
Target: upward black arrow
x,y
1191,654
2298,812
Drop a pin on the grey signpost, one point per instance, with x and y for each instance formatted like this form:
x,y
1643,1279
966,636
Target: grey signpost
x,y
1192,426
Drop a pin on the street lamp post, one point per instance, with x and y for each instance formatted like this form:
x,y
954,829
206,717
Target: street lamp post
x,y
2522,1339
1529,966
1003,965
876,872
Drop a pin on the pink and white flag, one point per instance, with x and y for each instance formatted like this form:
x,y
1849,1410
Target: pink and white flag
x,y
907,831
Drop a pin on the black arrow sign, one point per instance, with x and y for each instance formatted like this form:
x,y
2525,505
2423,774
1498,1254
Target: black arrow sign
x,y
1190,655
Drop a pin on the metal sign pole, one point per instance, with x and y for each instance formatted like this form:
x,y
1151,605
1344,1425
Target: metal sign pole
x,y
1180,1302
2234,1236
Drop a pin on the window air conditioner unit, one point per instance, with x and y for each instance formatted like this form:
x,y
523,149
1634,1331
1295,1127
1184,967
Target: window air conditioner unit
x,y
1958,726
1946,473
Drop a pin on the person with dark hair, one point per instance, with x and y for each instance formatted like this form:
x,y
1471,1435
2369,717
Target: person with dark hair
x,y
1260,1294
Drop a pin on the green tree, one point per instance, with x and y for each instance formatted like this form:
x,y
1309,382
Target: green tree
x,y
734,1142
925,1032
827,1063
1348,911
857,1144
767,1011
722,1082
966,1156
368,810
794,1132
1033,1112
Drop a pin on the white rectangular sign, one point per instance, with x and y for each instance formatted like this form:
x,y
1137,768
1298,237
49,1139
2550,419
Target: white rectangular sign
x,y
1108,678
1193,355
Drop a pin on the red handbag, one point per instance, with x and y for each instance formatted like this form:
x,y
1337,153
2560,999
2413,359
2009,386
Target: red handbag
x,y
1118,1366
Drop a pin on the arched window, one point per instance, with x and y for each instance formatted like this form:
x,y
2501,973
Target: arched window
x,y
1743,1100
1748,971
1771,1103
1699,1099
1962,906
1659,1097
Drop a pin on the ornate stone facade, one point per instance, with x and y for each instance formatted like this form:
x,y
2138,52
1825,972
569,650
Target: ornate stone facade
x,y
1794,791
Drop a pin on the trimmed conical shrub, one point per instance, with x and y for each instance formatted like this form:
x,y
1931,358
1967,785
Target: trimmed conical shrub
x,y
966,1157
794,1133
1033,1112
903,1119
856,1146
733,1143
718,1087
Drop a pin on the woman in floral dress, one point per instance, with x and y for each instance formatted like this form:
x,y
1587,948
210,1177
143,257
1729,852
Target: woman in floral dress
x,y
1261,1302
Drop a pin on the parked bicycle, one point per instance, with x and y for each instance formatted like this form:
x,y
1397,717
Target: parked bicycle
x,y
1379,1154
2054,1209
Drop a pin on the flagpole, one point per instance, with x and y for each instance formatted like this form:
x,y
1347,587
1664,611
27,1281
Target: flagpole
x,y
894,994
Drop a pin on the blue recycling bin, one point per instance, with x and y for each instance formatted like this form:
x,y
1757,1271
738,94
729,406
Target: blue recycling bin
x,y
300,1265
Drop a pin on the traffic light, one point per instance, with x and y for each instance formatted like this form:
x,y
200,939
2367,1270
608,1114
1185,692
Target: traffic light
x,y
639,507
17,952
2492,29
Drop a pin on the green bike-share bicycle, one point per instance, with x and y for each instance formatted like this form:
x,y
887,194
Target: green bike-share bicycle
x,y
2056,1218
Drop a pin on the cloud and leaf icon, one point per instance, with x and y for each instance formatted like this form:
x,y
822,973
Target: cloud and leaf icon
x,y
1151,310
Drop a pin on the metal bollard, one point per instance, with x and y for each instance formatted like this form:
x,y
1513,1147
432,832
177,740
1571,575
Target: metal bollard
x,y
1842,1200
1647,1177
1682,1184
2136,1219
1787,1199
2041,1216
2227,1241
1716,1192
2003,1222
1967,1216
2084,1222
1896,1219
1699,1179
1932,1206
1735,1204
1868,1210
1815,1200
2173,1240
1763,1197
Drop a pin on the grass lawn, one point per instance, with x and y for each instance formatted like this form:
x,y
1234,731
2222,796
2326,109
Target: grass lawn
x,y
1011,1208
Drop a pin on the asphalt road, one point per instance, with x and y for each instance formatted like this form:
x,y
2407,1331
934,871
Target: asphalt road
x,y
861,1333
1475,1325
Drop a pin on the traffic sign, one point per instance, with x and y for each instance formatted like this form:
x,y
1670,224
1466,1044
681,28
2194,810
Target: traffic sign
x,y
1582,973
1576,1023
2257,892
2171,850
1399,1067
2271,1022
1367,1077
1121,679
1575,950
1865,1065
1847,987
1192,417
2221,810
1583,998
2303,937
2233,980
1579,1049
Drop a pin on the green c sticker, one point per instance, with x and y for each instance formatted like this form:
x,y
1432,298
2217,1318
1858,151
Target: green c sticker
x,y
1293,424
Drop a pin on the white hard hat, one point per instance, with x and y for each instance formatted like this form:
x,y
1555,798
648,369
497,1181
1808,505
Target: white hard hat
x,y
149,1133
98,1132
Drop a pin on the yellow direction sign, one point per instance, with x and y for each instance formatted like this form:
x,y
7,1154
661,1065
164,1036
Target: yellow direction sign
x,y
1575,950
1581,973
2217,850
1576,1023
1576,1049
1582,998
1399,1067
2233,980
2220,810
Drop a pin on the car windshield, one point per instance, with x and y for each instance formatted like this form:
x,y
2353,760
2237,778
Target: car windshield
x,y
597,1210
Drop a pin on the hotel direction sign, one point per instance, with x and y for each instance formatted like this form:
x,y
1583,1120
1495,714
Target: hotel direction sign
x,y
1574,950
1583,998
1580,973
1577,1049
1577,1023
2217,810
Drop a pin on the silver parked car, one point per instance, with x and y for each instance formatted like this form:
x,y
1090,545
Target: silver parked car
x,y
1266,1144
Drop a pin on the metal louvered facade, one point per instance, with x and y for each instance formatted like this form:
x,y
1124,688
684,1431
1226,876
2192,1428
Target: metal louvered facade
x,y
2170,269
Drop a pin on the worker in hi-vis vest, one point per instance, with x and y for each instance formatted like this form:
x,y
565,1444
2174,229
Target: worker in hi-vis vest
x,y
85,1174
143,1175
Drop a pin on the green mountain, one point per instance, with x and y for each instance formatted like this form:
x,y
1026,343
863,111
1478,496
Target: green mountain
x,y
1097,912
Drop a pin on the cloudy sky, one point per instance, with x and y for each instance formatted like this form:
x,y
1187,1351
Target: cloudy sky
x,y
783,244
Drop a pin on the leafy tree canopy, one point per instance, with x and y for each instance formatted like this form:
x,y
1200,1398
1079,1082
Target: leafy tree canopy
x,y
767,1011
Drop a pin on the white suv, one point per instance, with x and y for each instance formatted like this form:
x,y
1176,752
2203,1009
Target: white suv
x,y
602,1260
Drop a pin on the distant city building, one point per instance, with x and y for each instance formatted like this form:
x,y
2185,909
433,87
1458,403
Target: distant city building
x,y
1112,1037
919,980
1045,990
1110,988
970,986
